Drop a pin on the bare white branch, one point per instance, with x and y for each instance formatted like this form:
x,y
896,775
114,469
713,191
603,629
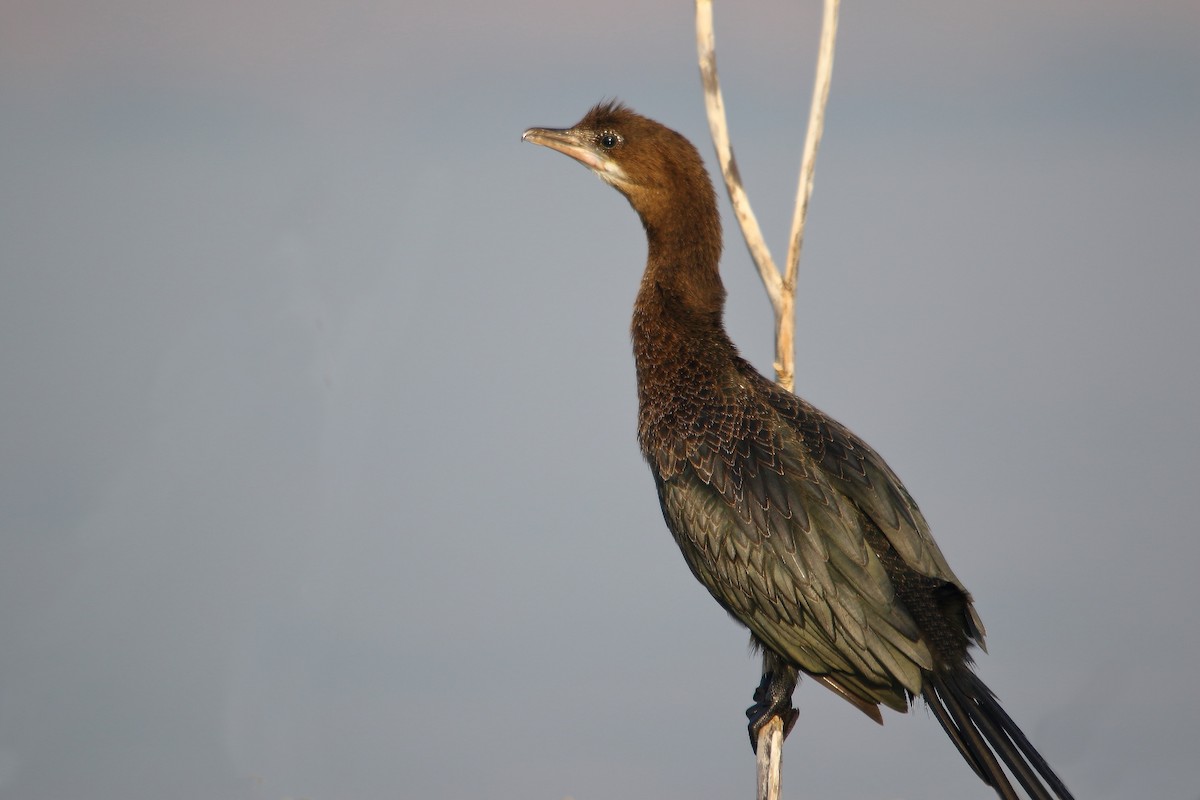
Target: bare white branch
x,y
812,140
780,289
770,760
715,105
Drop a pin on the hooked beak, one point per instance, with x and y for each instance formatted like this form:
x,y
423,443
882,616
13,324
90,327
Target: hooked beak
x,y
574,144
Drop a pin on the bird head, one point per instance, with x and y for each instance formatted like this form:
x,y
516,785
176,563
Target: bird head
x,y
657,169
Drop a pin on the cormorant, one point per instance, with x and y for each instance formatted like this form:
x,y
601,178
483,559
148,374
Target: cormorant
x,y
795,525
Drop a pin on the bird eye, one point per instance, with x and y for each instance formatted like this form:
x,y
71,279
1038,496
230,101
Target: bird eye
x,y
609,140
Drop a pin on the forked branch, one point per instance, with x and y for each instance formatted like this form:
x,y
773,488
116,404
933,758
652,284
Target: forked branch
x,y
781,287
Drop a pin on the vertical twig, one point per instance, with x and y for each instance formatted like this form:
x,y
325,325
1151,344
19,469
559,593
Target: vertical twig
x,y
808,164
770,759
719,128
781,289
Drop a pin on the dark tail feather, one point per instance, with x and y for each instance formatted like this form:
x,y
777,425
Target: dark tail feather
x,y
981,730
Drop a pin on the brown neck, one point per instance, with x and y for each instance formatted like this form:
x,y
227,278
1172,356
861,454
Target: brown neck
x,y
677,317
683,235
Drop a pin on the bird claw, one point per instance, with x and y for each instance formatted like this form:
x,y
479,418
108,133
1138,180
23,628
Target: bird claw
x,y
772,698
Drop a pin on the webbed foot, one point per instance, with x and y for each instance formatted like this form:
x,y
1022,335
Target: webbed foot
x,y
772,698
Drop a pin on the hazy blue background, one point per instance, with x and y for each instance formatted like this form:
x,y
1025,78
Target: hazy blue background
x,y
317,463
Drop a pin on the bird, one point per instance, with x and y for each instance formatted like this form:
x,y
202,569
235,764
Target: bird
x,y
794,525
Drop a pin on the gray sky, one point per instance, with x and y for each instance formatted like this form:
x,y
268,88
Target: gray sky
x,y
318,474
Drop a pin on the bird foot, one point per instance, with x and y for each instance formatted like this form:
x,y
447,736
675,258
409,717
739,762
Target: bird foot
x,y
772,698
